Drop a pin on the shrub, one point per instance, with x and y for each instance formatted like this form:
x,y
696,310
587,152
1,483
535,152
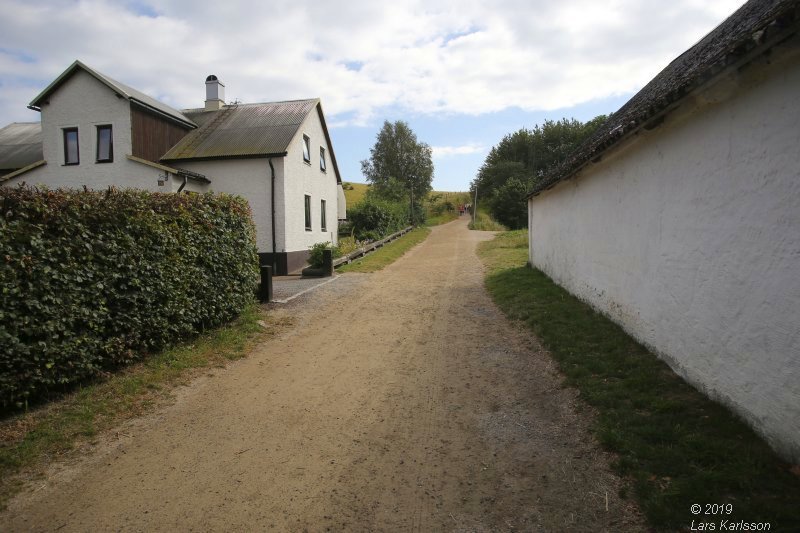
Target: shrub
x,y
315,257
92,280
374,219
484,222
348,245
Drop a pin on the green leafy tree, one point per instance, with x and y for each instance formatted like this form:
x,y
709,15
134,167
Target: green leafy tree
x,y
509,204
400,168
521,159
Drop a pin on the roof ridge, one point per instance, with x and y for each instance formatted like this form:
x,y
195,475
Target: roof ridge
x,y
284,101
201,110
752,30
126,91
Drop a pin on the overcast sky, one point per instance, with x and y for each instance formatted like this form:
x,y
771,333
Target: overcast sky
x,y
462,74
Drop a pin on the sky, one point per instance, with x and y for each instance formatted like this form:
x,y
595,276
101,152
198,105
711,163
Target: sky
x,y
462,74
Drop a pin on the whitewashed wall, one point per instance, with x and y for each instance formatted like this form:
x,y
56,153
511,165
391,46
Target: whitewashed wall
x,y
303,178
85,103
689,237
249,178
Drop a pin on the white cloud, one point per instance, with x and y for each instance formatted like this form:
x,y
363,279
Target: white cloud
x,y
359,56
464,149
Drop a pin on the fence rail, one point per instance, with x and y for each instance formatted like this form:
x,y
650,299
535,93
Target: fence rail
x,y
361,252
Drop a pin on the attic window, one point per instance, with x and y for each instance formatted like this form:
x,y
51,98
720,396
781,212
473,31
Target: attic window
x,y
71,153
306,149
105,144
322,158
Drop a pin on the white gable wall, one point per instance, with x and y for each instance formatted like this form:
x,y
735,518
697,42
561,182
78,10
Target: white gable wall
x,y
86,103
306,178
249,178
690,238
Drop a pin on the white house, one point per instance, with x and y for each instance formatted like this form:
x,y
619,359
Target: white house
x,y
20,145
680,218
98,132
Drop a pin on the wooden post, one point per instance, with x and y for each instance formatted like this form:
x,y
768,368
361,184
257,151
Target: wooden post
x,y
265,289
327,263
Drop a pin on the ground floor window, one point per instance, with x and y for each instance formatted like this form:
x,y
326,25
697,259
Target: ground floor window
x,y
322,211
308,213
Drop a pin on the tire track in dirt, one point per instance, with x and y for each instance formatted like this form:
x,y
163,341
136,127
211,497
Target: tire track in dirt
x,y
399,401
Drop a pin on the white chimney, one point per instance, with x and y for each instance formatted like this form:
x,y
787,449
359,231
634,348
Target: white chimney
x,y
215,94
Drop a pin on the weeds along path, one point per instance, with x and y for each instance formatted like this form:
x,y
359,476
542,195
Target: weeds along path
x,y
399,401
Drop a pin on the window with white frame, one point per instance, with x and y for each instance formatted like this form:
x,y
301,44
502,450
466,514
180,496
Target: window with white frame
x,y
306,149
322,165
322,213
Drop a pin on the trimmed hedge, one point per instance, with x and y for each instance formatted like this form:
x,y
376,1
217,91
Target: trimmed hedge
x,y
92,280
374,219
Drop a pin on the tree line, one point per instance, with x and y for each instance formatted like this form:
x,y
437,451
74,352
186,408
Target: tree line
x,y
520,160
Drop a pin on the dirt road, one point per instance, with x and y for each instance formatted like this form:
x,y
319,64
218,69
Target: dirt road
x,y
399,401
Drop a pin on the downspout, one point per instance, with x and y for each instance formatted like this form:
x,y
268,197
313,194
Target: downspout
x,y
272,199
185,181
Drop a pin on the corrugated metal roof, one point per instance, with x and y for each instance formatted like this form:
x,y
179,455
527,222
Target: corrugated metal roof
x,y
758,23
246,130
20,145
127,92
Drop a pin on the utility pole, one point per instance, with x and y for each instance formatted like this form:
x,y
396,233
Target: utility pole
x,y
475,204
412,204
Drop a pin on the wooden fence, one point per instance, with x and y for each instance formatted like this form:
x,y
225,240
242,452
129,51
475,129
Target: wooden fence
x,y
361,252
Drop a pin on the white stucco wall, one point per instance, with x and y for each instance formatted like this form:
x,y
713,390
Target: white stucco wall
x,y
689,237
85,103
294,178
249,178
303,178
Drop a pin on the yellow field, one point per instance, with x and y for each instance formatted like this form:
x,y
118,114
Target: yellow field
x,y
356,194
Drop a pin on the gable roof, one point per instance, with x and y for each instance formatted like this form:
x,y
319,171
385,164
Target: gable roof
x,y
22,170
20,145
246,130
242,130
751,31
129,93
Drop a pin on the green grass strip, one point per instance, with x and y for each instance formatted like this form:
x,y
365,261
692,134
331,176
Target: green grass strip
x,y
444,218
388,254
29,440
675,447
484,222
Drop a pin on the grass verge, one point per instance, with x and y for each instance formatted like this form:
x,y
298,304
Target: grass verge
x,y
444,218
28,441
388,254
484,222
675,447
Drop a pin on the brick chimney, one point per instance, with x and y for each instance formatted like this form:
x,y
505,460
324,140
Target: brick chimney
x,y
215,94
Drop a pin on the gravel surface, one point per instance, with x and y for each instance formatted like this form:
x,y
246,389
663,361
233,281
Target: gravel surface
x,y
398,401
287,288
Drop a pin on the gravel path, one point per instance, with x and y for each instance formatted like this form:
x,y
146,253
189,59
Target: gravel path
x,y
398,401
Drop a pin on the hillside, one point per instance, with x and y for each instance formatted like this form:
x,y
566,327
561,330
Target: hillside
x,y
354,193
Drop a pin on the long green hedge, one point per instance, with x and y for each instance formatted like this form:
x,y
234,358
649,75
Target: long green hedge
x,y
373,219
93,280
